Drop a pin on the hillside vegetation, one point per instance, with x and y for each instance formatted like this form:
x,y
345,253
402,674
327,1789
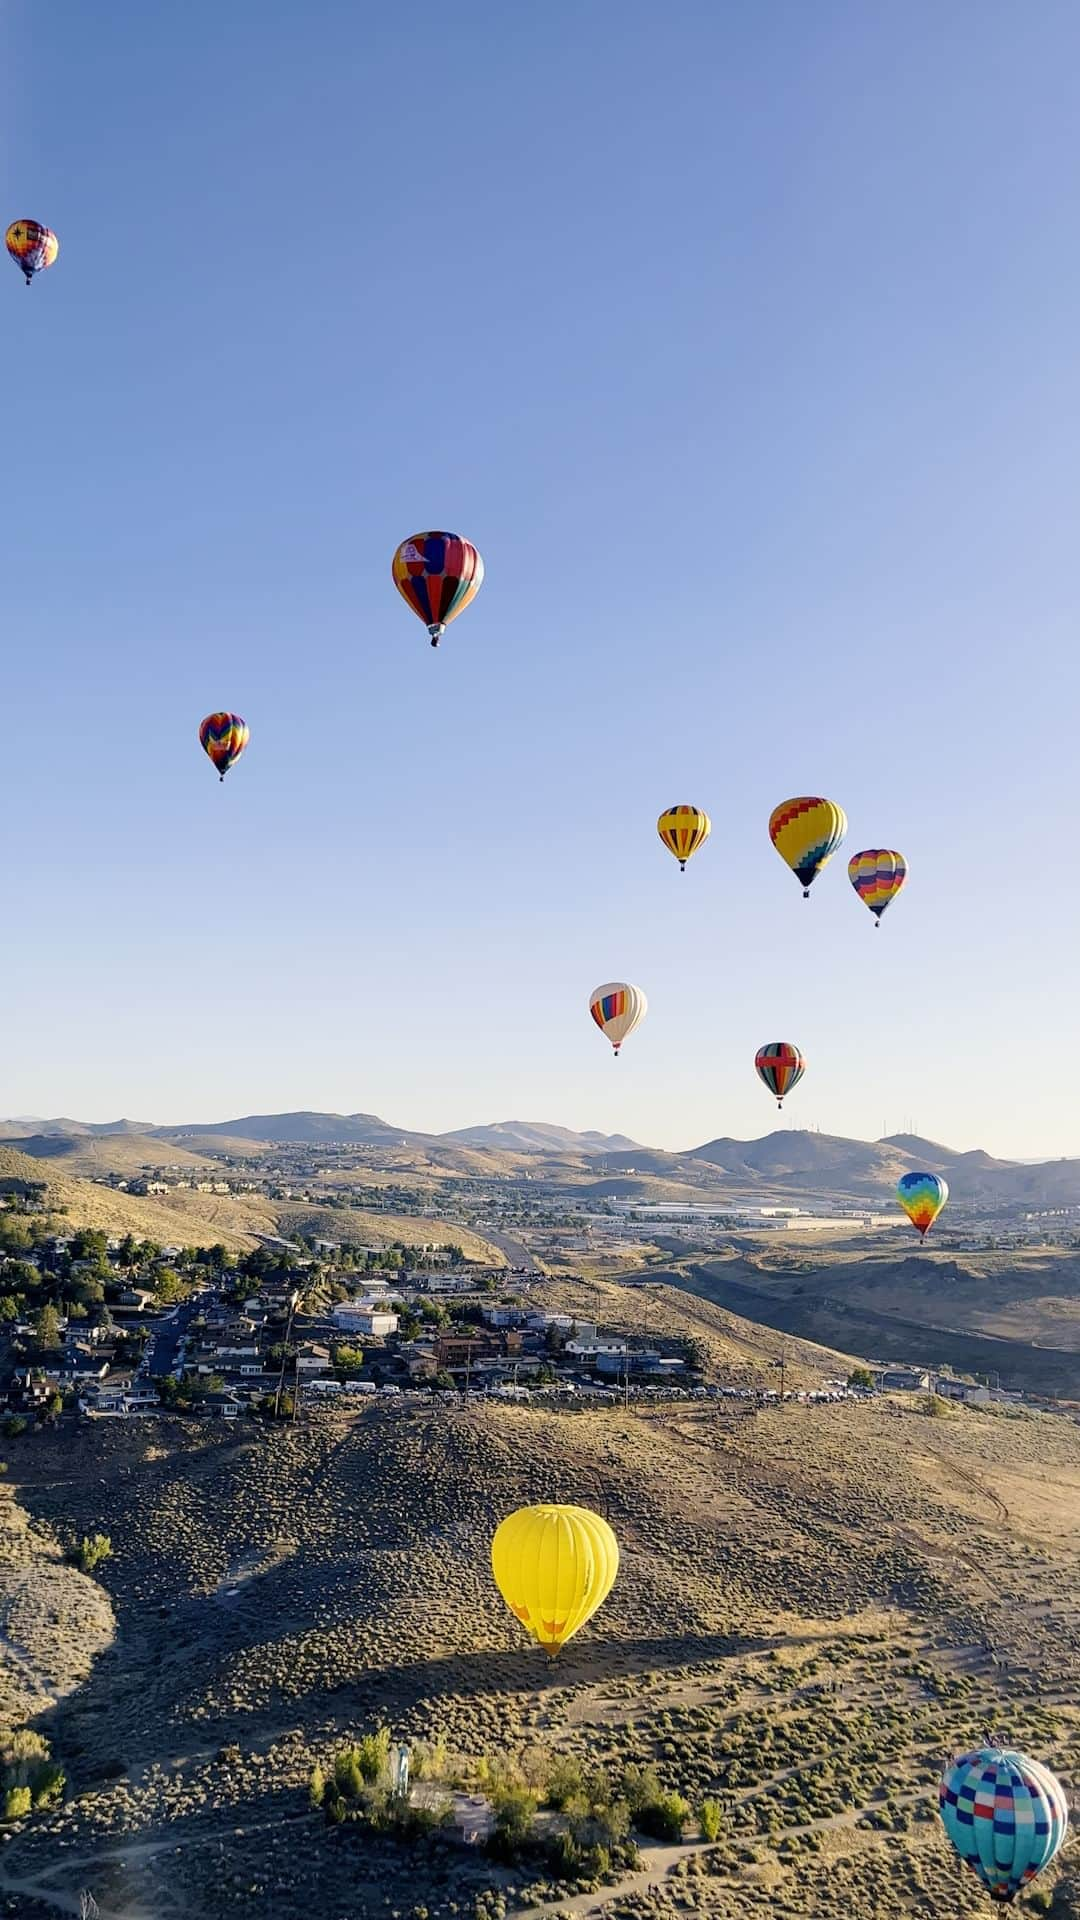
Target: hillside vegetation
x,y
814,1605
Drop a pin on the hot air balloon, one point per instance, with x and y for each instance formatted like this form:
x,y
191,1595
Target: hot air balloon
x,y
438,574
224,737
554,1566
781,1066
806,833
31,246
683,830
922,1196
877,876
617,1009
1006,1815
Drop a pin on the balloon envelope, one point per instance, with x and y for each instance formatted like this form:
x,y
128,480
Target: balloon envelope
x,y
922,1196
806,833
31,246
224,737
617,1007
683,830
781,1066
877,876
1006,1815
438,574
554,1565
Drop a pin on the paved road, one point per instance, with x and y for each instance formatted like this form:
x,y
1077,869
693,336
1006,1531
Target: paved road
x,y
167,1337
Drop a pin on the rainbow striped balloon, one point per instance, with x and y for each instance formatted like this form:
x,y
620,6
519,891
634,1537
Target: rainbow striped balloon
x,y
1006,1815
683,830
781,1066
877,876
438,574
806,833
922,1196
224,736
618,1008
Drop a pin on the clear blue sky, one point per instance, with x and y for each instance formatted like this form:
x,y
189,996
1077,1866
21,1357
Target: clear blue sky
x,y
743,341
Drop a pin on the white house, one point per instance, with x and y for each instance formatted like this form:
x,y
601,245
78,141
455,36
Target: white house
x,y
353,1317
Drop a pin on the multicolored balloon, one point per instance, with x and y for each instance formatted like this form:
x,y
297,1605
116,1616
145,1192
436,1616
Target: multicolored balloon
x,y
617,1009
438,574
1006,1815
683,830
922,1196
877,876
806,833
31,246
224,736
554,1565
781,1066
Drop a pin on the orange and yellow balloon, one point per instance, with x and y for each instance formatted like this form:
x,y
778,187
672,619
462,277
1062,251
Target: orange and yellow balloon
x,y
922,1196
224,736
806,833
877,875
617,1007
554,1565
437,574
31,246
683,830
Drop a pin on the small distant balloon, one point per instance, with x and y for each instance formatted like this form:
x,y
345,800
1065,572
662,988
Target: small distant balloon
x,y
922,1196
683,830
437,574
781,1066
1006,1816
224,736
806,833
554,1565
877,876
617,1009
31,246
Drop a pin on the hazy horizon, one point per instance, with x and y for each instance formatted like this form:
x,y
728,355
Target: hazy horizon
x,y
784,1123
745,351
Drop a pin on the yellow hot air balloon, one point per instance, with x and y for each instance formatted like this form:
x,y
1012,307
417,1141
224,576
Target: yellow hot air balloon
x,y
683,830
806,833
554,1566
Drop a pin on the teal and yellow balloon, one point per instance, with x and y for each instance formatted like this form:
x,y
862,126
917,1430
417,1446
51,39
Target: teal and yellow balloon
x,y
806,833
922,1196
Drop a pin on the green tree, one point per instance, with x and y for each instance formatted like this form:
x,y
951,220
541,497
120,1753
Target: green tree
x,y
317,1786
9,1307
348,1361
15,1233
860,1377
710,1819
47,1326
15,1424
373,1755
168,1286
17,1803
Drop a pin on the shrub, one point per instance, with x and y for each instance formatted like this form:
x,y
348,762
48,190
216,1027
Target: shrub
x,y
316,1786
373,1756
710,1819
13,1426
564,1782
348,1778
664,1817
515,1817
91,1551
641,1788
17,1802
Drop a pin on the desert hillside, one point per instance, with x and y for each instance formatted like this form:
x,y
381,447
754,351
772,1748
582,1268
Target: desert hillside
x,y
814,1605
